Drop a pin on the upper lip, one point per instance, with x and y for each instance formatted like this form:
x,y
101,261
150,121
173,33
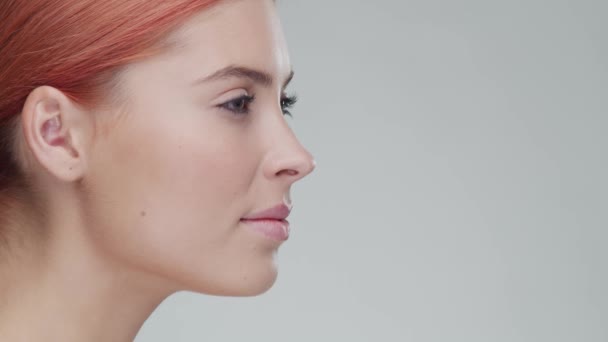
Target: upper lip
x,y
278,212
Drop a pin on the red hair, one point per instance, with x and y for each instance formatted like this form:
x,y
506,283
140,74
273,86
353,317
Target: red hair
x,y
78,47
74,45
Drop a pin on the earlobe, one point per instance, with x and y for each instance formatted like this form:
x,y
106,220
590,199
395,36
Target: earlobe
x,y
47,129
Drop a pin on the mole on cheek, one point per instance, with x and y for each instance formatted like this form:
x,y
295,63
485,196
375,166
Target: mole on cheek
x,y
143,213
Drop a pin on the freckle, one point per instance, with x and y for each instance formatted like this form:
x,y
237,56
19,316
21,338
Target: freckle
x,y
143,213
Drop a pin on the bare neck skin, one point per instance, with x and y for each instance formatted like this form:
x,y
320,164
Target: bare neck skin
x,y
63,290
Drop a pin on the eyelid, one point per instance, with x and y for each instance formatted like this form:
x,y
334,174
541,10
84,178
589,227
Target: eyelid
x,y
231,95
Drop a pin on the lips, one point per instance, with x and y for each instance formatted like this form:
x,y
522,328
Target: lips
x,y
279,212
271,222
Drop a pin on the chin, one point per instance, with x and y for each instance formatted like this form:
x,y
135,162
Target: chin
x,y
255,284
243,285
254,289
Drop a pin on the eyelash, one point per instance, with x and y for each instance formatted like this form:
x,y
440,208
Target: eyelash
x,y
287,102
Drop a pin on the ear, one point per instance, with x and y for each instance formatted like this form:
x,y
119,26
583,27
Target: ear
x,y
57,132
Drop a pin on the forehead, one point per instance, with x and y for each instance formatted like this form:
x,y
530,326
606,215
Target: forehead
x,y
241,32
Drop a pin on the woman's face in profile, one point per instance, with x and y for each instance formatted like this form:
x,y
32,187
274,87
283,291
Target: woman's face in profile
x,y
191,156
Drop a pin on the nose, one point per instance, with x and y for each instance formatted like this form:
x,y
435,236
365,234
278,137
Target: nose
x,y
288,159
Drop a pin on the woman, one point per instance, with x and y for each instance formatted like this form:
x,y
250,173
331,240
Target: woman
x,y
144,152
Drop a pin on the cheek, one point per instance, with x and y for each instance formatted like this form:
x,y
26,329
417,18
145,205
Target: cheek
x,y
203,180
160,203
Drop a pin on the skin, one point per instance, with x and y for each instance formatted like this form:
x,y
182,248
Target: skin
x,y
145,200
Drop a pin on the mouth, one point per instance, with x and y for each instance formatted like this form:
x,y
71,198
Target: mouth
x,y
277,230
278,212
270,222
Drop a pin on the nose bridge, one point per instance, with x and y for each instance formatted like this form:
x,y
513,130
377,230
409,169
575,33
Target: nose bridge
x,y
286,157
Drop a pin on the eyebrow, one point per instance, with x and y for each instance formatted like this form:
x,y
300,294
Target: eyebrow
x,y
235,71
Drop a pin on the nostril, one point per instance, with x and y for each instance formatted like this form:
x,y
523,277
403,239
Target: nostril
x,y
290,172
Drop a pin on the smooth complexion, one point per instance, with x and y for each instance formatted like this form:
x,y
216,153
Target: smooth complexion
x,y
147,199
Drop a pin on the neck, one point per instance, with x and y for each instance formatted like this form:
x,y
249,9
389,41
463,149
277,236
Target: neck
x,y
63,290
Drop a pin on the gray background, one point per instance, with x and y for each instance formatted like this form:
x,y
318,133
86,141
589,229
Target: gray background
x,y
461,190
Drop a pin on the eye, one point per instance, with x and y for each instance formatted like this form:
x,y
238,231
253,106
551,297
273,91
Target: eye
x,y
240,105
288,102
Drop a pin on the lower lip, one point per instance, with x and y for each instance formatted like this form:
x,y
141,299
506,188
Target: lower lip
x,y
277,230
